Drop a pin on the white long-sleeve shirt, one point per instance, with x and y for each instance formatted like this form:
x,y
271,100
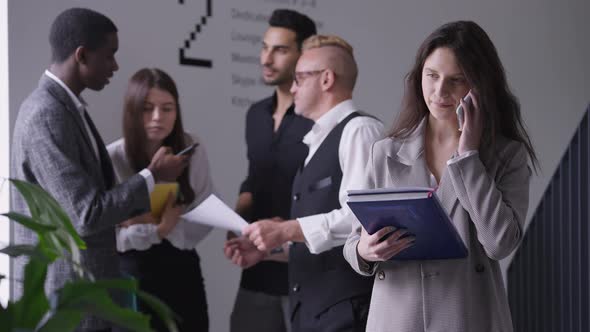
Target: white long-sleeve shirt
x,y
328,230
185,235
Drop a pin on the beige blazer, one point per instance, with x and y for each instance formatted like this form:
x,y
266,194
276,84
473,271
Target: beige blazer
x,y
486,197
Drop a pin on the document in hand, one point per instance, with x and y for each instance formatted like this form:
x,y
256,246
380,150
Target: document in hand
x,y
213,212
159,197
415,209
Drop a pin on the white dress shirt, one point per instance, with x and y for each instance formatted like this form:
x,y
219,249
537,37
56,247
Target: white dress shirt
x,y
185,235
328,230
81,107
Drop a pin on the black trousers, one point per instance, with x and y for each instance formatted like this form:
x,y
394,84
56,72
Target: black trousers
x,y
174,276
349,315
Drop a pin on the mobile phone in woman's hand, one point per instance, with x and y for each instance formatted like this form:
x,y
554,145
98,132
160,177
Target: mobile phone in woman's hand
x,y
461,113
188,150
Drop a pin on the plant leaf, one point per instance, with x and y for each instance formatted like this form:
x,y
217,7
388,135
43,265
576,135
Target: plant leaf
x,y
161,309
61,321
6,317
45,208
76,299
46,211
29,250
29,222
33,304
93,298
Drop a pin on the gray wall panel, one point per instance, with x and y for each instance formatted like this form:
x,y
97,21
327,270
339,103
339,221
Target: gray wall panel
x,y
549,276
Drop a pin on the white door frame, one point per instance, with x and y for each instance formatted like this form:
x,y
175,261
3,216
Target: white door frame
x,y
4,149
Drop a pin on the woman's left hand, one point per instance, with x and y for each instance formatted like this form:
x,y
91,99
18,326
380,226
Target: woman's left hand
x,y
472,127
146,218
170,217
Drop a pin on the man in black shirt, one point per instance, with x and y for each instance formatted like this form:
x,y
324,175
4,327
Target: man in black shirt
x,y
274,136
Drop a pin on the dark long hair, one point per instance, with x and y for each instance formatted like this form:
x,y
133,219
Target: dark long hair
x,y
478,59
133,128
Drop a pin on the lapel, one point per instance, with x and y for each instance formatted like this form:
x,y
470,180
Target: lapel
x,y
62,96
403,155
105,162
446,194
407,167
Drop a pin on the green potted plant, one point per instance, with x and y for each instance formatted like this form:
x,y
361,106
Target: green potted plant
x,y
63,310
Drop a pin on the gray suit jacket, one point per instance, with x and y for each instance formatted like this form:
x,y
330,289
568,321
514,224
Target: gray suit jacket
x,y
51,148
486,197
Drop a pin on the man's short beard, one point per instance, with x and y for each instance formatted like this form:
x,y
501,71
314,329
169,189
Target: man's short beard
x,y
277,81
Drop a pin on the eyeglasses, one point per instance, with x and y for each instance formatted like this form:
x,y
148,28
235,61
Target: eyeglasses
x,y
299,76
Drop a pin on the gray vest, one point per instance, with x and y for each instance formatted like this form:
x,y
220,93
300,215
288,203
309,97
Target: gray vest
x,y
316,282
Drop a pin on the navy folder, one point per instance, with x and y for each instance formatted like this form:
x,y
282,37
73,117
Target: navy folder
x,y
415,209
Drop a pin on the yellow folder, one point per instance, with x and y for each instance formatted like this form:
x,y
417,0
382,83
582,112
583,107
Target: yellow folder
x,y
159,196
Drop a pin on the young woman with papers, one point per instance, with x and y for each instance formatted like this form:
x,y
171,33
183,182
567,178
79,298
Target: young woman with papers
x,y
159,250
481,178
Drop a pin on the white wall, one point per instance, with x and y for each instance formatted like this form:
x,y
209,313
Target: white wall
x,y
543,46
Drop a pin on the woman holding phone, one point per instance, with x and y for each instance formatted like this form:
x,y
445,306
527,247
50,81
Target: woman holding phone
x,y
481,175
160,252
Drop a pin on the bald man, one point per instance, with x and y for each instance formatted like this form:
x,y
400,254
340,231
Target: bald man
x,y
325,293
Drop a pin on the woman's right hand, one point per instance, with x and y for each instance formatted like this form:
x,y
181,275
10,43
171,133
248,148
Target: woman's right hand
x,y
371,249
170,217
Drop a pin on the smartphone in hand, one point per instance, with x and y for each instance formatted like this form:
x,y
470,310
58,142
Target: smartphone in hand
x,y
188,150
461,113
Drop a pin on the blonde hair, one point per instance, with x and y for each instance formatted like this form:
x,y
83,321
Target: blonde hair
x,y
339,57
317,41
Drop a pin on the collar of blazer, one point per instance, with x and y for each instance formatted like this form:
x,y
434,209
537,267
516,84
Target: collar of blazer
x,y
61,95
409,151
411,147
46,83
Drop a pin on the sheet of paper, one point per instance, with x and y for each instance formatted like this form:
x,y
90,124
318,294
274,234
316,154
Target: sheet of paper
x,y
213,212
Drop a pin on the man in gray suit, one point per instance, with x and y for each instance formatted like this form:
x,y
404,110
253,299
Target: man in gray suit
x,y
57,146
